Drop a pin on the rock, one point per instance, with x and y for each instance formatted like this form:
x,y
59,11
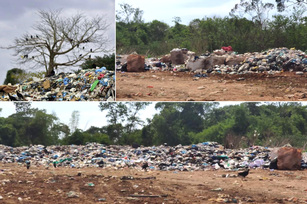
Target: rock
x,y
289,158
101,199
217,189
177,56
72,194
135,63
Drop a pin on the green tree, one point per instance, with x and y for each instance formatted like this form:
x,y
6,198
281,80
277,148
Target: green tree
x,y
14,76
8,133
107,61
176,121
123,117
34,126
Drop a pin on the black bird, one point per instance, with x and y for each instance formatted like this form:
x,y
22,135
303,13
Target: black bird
x,y
80,55
45,150
52,73
145,166
31,36
89,56
12,98
27,39
26,56
91,50
83,48
28,164
100,163
37,36
20,96
243,173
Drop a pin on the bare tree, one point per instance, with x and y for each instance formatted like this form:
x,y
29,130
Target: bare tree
x,y
128,14
61,41
282,4
74,121
256,9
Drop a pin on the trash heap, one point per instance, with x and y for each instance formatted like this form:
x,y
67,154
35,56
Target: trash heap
x,y
271,61
87,85
226,61
203,156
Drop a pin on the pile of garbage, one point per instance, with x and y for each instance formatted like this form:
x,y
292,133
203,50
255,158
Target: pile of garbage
x,y
203,156
271,61
87,85
224,61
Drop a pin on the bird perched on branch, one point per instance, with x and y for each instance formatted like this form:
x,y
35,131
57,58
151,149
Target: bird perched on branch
x,y
243,173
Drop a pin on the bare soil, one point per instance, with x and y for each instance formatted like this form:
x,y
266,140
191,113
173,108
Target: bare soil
x,y
40,185
182,86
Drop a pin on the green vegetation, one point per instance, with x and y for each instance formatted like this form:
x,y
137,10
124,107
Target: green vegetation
x,y
266,124
107,61
14,76
253,31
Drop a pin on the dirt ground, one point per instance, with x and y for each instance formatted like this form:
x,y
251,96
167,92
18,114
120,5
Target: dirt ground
x,y
181,86
40,185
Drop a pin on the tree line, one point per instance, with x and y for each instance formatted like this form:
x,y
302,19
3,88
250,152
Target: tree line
x,y
234,126
250,27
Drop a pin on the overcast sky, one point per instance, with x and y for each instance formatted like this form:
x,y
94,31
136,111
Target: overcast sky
x,y
90,114
18,16
166,10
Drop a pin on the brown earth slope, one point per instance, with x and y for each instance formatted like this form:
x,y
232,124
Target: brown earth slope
x,y
94,185
169,86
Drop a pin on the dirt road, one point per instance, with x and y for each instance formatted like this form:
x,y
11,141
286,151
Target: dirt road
x,y
169,86
92,185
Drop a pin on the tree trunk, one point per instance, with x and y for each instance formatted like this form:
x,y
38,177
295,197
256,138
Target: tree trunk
x,y
51,65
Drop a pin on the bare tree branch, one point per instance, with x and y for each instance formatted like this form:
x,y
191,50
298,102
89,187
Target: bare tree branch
x,y
58,38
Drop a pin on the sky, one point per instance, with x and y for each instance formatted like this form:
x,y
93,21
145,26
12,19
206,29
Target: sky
x,y
90,114
165,11
18,16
